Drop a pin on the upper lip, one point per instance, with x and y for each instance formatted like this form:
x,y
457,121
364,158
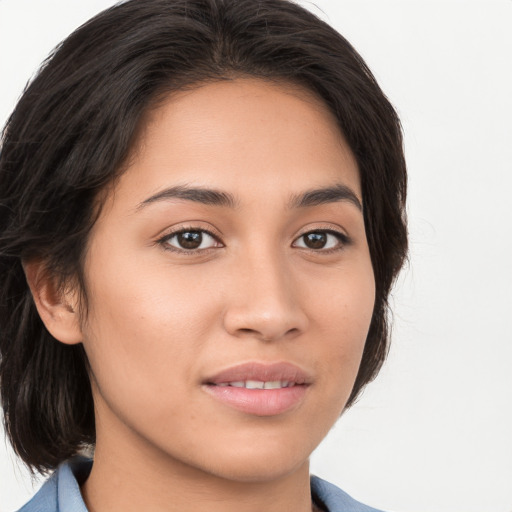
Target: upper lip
x,y
259,371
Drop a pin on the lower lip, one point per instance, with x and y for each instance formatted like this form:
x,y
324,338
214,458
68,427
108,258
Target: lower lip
x,y
260,402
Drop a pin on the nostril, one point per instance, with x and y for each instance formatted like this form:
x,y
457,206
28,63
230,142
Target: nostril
x,y
247,331
268,320
267,336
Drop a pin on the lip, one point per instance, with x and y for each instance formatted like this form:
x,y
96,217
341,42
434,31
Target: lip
x,y
260,402
262,372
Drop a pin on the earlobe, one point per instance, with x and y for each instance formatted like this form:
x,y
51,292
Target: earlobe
x,y
58,309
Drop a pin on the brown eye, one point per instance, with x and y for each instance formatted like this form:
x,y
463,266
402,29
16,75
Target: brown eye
x,y
321,240
191,240
315,240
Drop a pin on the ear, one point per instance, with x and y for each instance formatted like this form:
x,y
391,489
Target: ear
x,y
58,309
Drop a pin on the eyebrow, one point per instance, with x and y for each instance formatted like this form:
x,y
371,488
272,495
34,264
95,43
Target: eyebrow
x,y
201,195
326,195
212,197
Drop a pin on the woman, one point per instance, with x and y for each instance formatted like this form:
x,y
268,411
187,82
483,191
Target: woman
x,y
202,213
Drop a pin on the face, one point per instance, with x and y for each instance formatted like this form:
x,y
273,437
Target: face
x,y
229,284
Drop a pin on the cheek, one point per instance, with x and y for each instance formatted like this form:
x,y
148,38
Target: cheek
x,y
143,331
346,301
342,316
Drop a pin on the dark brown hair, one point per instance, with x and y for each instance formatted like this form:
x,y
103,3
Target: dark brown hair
x,y
73,128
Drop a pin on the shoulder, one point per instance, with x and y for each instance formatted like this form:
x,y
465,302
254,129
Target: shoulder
x,y
61,492
334,499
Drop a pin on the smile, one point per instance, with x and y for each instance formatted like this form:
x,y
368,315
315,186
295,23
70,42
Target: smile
x,y
260,389
258,384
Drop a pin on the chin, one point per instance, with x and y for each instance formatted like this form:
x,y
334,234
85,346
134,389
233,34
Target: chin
x,y
259,470
258,462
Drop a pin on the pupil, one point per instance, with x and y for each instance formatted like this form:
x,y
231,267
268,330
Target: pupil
x,y
315,240
190,239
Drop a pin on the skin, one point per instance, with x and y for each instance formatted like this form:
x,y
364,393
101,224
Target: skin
x,y
160,319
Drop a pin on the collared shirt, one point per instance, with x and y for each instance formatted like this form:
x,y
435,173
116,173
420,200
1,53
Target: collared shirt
x,y
61,493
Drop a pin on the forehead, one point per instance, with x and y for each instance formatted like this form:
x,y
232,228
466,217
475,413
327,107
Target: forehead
x,y
244,135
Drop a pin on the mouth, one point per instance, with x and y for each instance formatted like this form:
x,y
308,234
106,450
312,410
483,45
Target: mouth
x,y
257,384
260,389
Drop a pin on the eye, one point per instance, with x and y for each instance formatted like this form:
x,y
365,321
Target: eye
x,y
321,240
190,240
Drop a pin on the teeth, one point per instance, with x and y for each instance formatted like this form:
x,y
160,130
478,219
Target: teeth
x,y
254,384
258,384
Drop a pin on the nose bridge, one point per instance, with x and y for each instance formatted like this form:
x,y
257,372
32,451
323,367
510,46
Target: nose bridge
x,y
265,303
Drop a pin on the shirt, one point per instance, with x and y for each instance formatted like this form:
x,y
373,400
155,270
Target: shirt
x,y
61,493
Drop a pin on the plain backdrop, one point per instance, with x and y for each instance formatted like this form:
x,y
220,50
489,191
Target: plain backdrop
x,y
434,432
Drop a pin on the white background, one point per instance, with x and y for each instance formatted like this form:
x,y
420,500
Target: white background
x,y
434,432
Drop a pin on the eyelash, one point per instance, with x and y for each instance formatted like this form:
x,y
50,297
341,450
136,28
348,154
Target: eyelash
x,y
343,240
164,241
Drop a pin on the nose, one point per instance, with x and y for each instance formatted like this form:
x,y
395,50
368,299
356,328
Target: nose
x,y
264,301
